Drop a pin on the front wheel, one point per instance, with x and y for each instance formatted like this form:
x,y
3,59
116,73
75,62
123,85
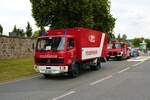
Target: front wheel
x,y
119,58
74,70
46,75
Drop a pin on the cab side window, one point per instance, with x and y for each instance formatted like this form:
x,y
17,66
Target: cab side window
x,y
70,43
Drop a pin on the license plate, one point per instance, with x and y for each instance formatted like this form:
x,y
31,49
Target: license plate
x,y
45,71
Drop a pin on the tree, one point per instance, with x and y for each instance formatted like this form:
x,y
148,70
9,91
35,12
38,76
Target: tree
x,y
28,30
15,29
136,42
1,29
18,32
147,43
93,14
42,31
111,36
119,38
124,37
36,34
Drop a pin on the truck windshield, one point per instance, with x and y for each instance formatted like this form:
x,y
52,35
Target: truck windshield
x,y
51,43
114,46
118,46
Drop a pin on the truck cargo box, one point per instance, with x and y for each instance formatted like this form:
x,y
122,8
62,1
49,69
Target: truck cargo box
x,y
89,43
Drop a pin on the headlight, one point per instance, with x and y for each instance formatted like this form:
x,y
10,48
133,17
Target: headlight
x,y
120,53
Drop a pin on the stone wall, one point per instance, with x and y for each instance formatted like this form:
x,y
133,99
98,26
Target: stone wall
x,y
13,47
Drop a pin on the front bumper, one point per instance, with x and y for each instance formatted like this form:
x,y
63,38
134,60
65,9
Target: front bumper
x,y
115,56
51,69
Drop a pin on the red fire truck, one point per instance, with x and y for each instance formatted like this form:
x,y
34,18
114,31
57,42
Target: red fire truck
x,y
118,50
70,50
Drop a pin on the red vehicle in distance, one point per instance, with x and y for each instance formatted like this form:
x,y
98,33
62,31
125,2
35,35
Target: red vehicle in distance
x,y
67,51
118,50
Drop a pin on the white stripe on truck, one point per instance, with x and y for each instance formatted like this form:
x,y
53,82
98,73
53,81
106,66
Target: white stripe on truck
x,y
102,44
93,52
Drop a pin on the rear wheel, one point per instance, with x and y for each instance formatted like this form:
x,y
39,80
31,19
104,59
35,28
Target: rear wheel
x,y
97,66
107,58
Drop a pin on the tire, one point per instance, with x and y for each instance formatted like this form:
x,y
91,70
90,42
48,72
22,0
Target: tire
x,y
107,58
74,70
97,66
46,75
119,58
128,57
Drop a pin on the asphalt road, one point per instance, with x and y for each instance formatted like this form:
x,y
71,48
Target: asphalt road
x,y
117,80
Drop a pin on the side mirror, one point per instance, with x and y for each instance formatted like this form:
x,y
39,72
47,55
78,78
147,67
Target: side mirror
x,y
69,48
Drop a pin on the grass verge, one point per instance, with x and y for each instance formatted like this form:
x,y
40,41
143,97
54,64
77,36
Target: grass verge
x,y
11,69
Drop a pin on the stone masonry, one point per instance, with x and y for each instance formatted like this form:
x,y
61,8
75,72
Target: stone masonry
x,y
13,47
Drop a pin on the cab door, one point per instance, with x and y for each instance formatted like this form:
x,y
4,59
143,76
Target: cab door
x,y
126,50
71,50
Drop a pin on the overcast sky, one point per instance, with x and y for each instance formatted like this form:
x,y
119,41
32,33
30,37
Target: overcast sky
x,y
15,12
133,16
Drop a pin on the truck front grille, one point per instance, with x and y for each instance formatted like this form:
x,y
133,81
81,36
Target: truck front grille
x,y
112,53
49,61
